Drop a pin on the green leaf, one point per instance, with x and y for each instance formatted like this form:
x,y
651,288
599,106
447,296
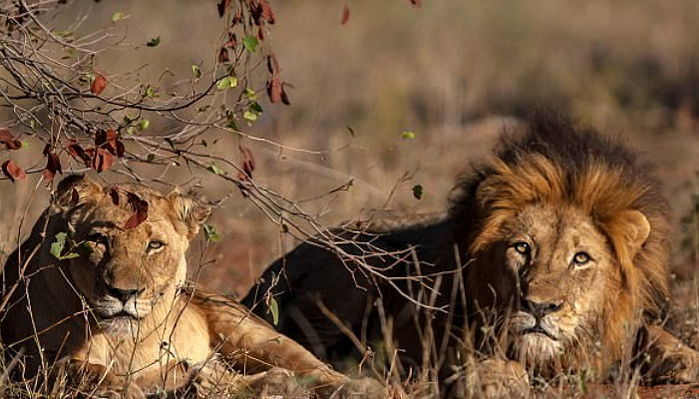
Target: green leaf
x,y
117,16
150,91
417,191
250,93
196,71
274,310
57,246
250,43
256,107
250,116
153,42
211,233
143,124
226,83
408,135
213,168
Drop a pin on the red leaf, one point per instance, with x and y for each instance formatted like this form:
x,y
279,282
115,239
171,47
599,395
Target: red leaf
x,y
109,140
285,98
101,159
74,197
222,7
9,140
248,163
223,55
13,171
114,194
274,89
98,84
77,152
140,208
267,12
53,165
345,15
272,64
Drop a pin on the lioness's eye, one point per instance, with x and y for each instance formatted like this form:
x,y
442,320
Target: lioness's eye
x,y
155,244
522,247
98,238
581,258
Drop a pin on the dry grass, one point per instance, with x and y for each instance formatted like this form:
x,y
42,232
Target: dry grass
x,y
454,73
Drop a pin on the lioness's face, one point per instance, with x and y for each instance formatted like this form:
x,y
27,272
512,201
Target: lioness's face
x,y
123,273
563,274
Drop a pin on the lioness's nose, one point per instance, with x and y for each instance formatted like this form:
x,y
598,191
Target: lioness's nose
x,y
540,309
123,294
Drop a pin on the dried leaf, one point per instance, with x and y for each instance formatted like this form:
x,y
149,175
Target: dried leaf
x,y
223,6
274,89
140,208
98,84
272,64
285,97
345,15
53,165
74,197
101,159
223,55
13,171
9,140
77,152
114,195
248,163
267,12
109,140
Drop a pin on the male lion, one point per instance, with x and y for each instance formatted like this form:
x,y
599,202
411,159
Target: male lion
x,y
110,312
554,254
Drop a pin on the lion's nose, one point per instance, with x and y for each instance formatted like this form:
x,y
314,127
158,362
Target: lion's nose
x,y
540,309
123,294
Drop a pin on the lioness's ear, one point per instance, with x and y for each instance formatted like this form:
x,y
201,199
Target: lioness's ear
x,y
191,212
75,189
636,229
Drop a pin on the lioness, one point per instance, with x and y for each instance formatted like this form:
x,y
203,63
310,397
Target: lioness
x,y
110,310
560,242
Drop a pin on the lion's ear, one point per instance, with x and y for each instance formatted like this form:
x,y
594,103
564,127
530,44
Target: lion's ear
x,y
636,229
191,212
76,189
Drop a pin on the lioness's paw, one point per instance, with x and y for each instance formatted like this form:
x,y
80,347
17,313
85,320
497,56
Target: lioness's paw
x,y
497,378
130,391
278,383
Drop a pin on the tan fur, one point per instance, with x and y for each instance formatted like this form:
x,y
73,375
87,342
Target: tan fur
x,y
62,311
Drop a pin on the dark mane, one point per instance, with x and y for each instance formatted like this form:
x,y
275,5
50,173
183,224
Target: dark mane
x,y
553,161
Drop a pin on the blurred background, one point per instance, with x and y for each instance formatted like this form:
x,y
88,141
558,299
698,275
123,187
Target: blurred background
x,y
400,96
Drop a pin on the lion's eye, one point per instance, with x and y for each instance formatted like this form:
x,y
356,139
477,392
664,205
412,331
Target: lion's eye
x,y
581,258
155,244
522,247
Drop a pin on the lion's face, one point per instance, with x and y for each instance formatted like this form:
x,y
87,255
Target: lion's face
x,y
563,272
553,274
123,273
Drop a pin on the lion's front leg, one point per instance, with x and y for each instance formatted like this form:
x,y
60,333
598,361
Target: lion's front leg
x,y
667,359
